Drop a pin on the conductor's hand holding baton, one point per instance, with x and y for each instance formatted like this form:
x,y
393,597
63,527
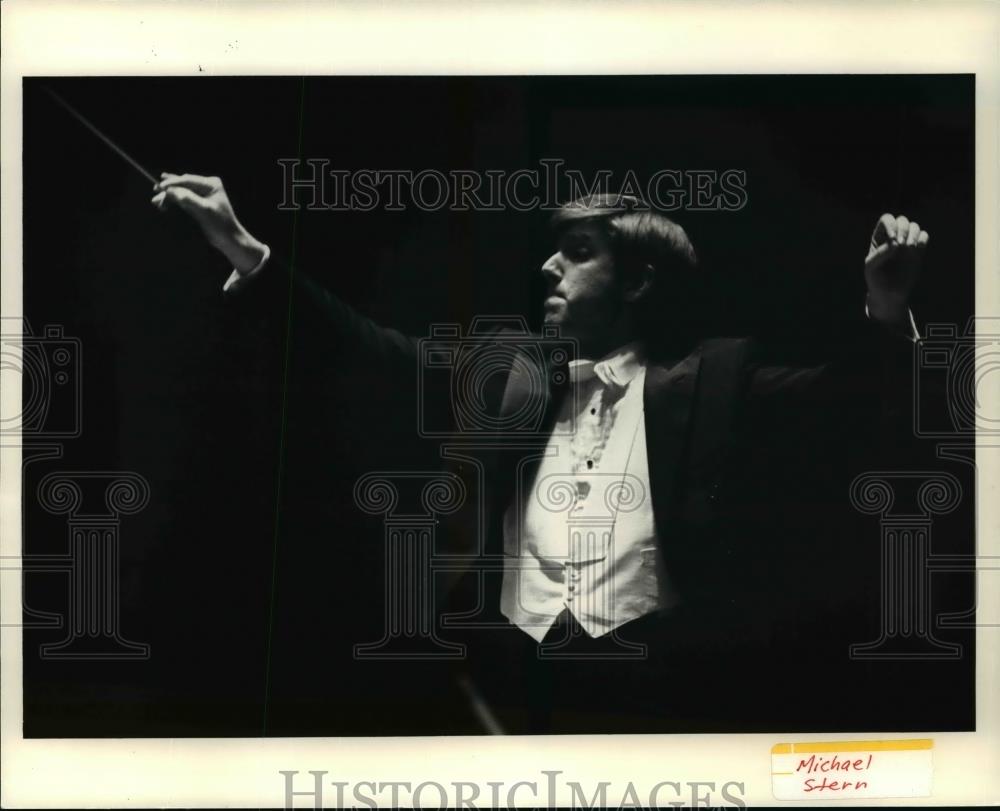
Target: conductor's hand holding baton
x,y
205,199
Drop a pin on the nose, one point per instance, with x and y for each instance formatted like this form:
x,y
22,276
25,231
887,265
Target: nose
x,y
552,269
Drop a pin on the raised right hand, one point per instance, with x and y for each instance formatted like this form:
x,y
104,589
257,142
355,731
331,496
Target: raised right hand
x,y
892,267
205,199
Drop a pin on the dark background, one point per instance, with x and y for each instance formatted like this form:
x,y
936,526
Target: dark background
x,y
252,596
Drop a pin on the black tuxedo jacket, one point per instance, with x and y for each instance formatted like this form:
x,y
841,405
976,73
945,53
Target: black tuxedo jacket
x,y
750,464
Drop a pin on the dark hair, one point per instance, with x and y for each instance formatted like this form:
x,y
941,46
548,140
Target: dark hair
x,y
671,316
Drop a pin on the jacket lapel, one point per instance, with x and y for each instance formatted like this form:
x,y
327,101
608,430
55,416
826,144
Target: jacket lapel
x,y
668,398
529,389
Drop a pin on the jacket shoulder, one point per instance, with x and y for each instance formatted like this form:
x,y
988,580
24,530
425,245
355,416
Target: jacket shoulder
x,y
743,348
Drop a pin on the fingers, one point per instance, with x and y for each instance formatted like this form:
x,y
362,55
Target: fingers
x,y
892,232
913,236
876,254
181,197
196,183
902,229
885,230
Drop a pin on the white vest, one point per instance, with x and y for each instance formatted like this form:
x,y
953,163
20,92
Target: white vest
x,y
582,535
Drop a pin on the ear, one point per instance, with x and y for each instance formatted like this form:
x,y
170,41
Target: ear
x,y
640,284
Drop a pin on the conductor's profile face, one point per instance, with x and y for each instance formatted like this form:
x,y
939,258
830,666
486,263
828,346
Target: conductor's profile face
x,y
583,292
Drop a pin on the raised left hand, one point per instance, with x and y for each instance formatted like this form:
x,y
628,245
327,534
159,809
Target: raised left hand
x,y
893,266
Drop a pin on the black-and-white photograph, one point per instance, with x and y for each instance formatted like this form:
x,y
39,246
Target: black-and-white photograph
x,y
498,405
442,405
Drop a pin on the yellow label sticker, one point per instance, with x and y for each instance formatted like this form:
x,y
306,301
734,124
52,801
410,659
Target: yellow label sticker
x,y
843,770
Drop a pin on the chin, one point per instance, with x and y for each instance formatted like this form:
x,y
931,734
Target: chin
x,y
557,319
564,329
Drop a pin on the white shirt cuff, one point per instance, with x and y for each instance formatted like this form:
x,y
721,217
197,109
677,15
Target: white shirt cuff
x,y
237,281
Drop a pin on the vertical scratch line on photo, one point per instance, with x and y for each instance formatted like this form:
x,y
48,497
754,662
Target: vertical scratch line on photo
x,y
279,485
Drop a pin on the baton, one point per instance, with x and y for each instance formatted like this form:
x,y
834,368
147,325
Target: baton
x,y
114,147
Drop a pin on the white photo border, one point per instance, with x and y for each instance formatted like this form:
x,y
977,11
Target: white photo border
x,y
439,38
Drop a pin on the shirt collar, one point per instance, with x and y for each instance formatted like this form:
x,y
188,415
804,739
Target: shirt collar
x,y
617,368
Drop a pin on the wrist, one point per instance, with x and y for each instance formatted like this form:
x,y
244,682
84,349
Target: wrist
x,y
890,313
243,251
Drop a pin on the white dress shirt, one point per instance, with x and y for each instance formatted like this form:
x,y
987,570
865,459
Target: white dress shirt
x,y
237,281
581,536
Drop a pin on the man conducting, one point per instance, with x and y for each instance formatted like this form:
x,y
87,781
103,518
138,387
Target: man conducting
x,y
697,565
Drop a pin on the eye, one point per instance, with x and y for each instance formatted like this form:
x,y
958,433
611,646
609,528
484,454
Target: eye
x,y
578,250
